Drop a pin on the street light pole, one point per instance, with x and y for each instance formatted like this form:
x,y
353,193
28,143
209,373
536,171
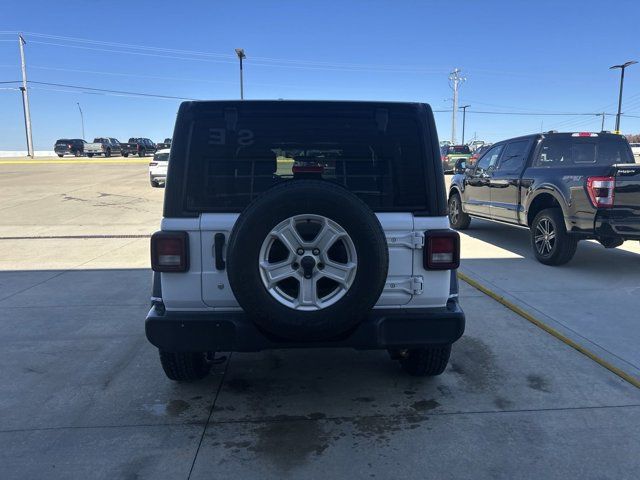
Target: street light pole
x,y
241,56
622,68
25,98
464,120
81,119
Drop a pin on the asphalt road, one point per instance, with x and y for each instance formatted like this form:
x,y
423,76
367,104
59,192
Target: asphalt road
x,y
84,396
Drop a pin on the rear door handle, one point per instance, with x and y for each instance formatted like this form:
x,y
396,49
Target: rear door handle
x,y
218,245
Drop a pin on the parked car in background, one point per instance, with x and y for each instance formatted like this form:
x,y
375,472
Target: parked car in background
x,y
158,168
140,146
163,145
564,187
69,146
106,146
478,153
635,148
476,144
451,154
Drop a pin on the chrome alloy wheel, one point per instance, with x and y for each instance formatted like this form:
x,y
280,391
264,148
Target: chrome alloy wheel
x,y
454,211
545,237
307,262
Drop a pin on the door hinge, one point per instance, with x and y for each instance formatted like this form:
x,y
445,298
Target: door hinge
x,y
410,285
413,240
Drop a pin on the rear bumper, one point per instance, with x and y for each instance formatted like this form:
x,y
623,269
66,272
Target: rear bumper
x,y
234,331
621,224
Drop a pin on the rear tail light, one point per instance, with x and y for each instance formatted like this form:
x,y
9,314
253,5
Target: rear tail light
x,y
170,252
442,250
445,159
601,191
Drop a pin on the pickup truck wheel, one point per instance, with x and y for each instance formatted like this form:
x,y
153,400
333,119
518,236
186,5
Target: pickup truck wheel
x,y
426,361
90,155
142,153
457,218
107,153
78,153
60,155
307,260
185,366
125,155
551,243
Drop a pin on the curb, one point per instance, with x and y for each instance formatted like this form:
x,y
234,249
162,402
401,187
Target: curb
x,y
550,330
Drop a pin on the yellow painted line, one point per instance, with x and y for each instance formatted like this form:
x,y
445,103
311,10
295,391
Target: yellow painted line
x,y
547,328
77,162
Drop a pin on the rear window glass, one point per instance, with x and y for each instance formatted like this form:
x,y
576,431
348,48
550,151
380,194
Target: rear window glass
x,y
379,157
161,157
577,151
460,149
63,140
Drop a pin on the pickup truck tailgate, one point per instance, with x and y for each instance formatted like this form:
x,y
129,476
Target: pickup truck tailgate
x,y
623,219
627,191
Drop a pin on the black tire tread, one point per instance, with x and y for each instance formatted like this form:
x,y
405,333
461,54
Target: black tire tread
x,y
184,366
426,361
567,244
464,219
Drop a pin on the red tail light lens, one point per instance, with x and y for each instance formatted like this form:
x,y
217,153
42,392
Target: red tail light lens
x,y
601,191
442,250
170,252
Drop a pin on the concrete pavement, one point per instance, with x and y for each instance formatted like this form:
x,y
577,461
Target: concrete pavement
x,y
84,396
594,299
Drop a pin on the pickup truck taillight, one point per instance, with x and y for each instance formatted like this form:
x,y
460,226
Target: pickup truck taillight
x,y
441,250
170,252
601,191
445,159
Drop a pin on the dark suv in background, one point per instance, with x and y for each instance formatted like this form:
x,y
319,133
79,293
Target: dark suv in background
x,y
66,146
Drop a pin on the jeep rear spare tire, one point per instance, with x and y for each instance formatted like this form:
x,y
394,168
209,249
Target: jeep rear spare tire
x,y
307,260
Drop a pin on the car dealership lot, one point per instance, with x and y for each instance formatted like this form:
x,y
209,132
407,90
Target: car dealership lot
x,y
84,395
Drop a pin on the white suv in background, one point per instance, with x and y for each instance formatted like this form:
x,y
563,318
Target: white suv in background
x,y
158,168
291,224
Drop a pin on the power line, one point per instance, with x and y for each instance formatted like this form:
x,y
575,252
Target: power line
x,y
104,90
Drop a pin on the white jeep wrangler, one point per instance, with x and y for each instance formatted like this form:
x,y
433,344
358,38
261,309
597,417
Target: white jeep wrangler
x,y
304,224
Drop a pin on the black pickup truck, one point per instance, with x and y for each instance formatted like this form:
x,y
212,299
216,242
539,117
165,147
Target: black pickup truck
x,y
139,146
564,187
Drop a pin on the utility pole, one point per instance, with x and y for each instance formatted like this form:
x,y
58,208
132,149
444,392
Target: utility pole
x,y
464,119
241,56
25,98
81,119
602,127
454,82
622,68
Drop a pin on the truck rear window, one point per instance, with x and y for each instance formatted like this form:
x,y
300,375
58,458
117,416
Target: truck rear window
x,y
377,155
577,151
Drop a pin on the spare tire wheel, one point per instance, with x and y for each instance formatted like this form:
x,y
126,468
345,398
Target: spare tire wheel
x,y
307,260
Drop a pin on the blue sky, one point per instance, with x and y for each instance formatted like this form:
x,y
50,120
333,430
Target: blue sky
x,y
517,56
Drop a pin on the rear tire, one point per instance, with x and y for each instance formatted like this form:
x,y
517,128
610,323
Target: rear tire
x,y
107,153
90,155
142,153
426,361
60,155
457,218
185,366
125,155
551,243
